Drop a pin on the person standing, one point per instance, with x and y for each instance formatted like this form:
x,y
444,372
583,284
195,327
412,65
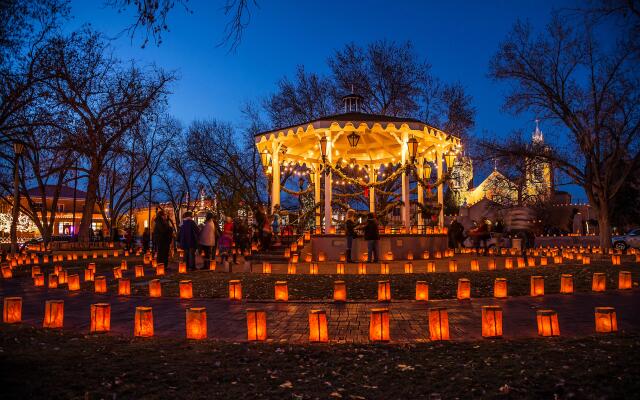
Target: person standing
x,y
226,239
163,235
240,238
260,217
350,232
520,225
188,239
276,224
372,236
207,240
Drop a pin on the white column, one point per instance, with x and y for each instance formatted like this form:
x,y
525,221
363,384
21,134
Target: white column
x,y
275,187
420,189
327,190
439,170
372,195
405,184
316,193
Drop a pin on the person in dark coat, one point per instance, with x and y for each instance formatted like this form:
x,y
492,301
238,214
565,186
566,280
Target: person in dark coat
x,y
372,236
240,238
146,238
350,232
163,235
456,234
188,239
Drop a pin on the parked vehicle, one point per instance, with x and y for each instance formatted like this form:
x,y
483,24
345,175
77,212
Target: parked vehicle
x,y
631,239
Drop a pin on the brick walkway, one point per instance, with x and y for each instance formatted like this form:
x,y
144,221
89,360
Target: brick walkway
x,y
348,322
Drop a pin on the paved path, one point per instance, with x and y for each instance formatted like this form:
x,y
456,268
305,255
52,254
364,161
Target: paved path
x,y
348,322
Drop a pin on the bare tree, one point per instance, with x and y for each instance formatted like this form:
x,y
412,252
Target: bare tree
x,y
151,17
106,98
592,96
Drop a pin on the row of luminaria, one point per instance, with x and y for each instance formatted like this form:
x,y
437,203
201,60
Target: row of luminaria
x,y
379,331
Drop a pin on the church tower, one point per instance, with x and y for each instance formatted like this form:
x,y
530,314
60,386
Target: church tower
x,y
539,172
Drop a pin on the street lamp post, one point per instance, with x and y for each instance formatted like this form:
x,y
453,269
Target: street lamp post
x,y
17,149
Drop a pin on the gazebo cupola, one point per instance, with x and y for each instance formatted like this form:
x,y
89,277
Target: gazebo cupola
x,y
370,142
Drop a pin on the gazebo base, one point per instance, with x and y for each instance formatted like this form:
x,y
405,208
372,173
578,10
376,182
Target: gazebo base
x,y
400,245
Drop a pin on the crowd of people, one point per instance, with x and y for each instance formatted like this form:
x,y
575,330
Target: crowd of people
x,y
228,239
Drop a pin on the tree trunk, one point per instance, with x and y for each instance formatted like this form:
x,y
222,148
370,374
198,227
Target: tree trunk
x,y
89,204
15,214
604,225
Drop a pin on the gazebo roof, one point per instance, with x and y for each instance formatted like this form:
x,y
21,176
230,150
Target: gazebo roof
x,y
381,139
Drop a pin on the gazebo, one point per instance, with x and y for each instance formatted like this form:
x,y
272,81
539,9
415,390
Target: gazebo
x,y
370,141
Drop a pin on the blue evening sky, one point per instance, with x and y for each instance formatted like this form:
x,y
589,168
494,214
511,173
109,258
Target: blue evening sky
x,y
457,38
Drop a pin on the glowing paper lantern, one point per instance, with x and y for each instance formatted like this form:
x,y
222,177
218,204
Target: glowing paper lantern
x,y
124,287
53,314
322,256
117,273
599,282
339,291
438,254
408,268
340,268
295,258
52,281
521,263
422,291
464,289
256,325
212,265
100,318
160,269
182,267
139,271
38,280
431,266
155,288
615,260
318,331
531,262
291,269
362,268
235,290
543,261
606,321
586,260
266,267
566,283
196,323
547,323
88,275
491,264
384,291
500,288
308,257
281,291
491,321
73,282
379,325
100,284
6,272
143,323
537,286
35,270
123,264
186,289
384,268
425,255
12,310
62,277
508,263
313,268
409,255
438,324
624,280
475,265
453,266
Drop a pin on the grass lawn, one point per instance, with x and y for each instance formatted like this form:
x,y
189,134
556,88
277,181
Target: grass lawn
x,y
38,364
